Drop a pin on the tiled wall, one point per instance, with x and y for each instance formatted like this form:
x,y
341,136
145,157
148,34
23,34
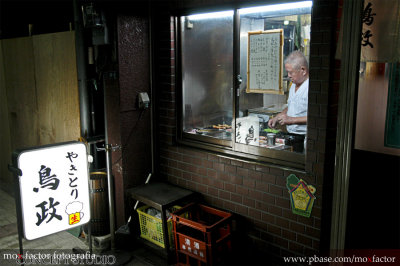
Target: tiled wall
x,y
256,193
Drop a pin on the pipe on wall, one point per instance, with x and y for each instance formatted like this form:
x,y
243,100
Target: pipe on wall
x,y
152,98
81,72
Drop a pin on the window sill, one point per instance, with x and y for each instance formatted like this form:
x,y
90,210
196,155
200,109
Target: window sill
x,y
279,159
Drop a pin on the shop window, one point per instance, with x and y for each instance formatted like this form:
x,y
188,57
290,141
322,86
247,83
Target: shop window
x,y
234,79
207,52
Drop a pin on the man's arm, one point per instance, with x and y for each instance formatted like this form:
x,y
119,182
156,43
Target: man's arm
x,y
290,120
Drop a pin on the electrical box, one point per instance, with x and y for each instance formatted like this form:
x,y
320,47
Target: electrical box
x,y
143,100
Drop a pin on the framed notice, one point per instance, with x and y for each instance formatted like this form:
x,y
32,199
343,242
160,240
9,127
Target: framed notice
x,y
54,188
264,62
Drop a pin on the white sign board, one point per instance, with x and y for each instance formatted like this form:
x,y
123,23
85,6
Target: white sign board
x,y
54,188
248,130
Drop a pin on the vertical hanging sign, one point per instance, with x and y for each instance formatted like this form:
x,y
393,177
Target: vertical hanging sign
x,y
380,37
53,187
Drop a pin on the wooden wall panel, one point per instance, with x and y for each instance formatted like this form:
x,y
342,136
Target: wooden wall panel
x,y
39,93
21,92
57,87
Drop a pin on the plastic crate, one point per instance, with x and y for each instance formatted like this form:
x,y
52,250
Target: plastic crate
x,y
151,227
202,234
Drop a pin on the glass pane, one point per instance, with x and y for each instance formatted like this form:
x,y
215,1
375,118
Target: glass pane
x,y
207,47
256,109
378,104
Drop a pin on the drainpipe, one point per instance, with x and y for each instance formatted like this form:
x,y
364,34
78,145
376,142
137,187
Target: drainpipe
x,y
81,71
82,84
110,180
152,97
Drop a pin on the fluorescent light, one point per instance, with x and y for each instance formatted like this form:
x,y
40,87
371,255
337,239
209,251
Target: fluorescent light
x,y
277,7
211,15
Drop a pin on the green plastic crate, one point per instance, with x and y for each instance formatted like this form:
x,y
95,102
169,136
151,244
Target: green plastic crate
x,y
151,227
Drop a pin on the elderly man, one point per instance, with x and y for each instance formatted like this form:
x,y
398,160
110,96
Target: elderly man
x,y
294,116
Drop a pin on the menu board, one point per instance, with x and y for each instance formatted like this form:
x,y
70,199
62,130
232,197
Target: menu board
x,y
264,63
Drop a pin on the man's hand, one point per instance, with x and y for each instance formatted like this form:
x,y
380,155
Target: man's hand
x,y
272,122
284,119
278,118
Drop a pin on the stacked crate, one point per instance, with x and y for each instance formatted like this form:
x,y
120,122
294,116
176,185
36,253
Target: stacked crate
x,y
202,234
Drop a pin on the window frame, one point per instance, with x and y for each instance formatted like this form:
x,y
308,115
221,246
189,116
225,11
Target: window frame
x,y
227,147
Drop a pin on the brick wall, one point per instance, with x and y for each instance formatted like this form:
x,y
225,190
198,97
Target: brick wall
x,y
256,193
131,164
134,78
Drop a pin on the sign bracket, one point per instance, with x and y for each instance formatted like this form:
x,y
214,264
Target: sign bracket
x,y
17,172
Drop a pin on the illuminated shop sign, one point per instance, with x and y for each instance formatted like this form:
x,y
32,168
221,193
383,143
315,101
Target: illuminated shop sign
x,y
53,188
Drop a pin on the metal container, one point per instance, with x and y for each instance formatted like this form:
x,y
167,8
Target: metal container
x,y
271,139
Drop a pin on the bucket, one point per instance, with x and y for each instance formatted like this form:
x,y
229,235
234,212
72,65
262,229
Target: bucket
x,y
99,221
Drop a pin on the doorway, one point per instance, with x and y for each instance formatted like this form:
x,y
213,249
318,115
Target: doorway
x,y
366,199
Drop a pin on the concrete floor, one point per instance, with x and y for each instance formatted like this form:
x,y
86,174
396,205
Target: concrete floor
x,y
62,242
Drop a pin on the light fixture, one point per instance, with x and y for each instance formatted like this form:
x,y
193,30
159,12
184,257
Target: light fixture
x,y
278,7
211,15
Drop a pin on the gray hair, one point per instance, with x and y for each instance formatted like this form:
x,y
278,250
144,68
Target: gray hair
x,y
297,60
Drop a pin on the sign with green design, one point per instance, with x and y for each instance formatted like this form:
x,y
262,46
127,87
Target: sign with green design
x,y
301,195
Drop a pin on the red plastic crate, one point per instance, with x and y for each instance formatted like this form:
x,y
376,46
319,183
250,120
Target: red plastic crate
x,y
202,234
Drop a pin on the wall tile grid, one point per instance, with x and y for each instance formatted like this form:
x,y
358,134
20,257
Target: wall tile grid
x,y
255,192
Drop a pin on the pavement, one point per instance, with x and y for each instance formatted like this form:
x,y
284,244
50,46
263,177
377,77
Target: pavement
x,y
62,246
